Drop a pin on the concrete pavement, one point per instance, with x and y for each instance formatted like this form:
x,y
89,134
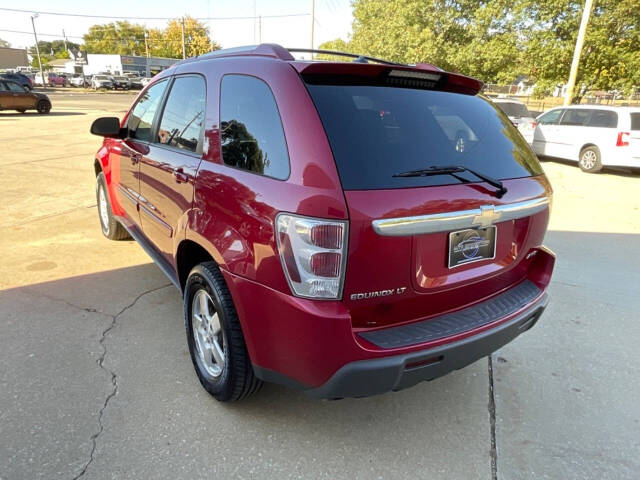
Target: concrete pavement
x,y
96,380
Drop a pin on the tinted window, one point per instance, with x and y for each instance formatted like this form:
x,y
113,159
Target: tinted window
x,y
15,87
513,109
251,129
183,114
550,118
141,118
603,118
575,117
376,132
635,121
3,87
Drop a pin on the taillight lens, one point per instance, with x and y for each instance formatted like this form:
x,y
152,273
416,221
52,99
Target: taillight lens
x,y
623,139
313,255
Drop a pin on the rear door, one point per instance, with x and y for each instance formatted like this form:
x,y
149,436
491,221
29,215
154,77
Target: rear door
x,y
20,98
412,239
168,170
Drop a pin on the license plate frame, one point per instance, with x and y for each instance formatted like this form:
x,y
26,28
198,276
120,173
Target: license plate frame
x,y
471,245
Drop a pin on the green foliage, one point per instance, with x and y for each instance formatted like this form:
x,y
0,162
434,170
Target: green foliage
x,y
4,43
124,38
497,40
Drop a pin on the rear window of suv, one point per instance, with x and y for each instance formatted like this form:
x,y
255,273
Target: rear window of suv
x,y
513,109
376,132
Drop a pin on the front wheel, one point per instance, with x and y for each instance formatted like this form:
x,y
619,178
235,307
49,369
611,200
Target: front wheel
x,y
215,338
111,228
590,160
43,106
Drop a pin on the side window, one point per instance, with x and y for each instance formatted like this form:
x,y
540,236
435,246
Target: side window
x,y
603,118
635,122
251,130
14,87
576,117
3,87
141,118
183,114
550,118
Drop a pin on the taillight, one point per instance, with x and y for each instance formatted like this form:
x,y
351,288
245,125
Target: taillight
x,y
623,141
313,255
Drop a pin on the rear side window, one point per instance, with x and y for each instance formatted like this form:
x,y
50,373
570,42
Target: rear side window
x,y
251,130
15,87
141,118
576,117
376,132
183,114
603,118
635,121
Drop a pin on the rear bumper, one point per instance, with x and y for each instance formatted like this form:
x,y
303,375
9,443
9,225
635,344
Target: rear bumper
x,y
371,377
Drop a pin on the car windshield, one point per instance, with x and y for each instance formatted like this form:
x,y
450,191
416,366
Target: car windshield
x,y
376,132
513,109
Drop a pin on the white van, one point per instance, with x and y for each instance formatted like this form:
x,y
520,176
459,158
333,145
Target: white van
x,y
592,135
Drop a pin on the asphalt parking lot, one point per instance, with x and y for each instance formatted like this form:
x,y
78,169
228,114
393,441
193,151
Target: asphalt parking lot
x,y
96,380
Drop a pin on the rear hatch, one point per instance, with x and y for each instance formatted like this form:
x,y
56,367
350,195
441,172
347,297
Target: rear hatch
x,y
421,245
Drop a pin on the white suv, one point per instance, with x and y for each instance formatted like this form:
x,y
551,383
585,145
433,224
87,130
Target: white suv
x,y
592,135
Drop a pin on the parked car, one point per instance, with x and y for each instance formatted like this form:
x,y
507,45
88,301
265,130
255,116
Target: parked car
x,y
121,82
145,81
519,115
592,135
324,222
18,78
135,82
52,79
79,81
14,96
101,81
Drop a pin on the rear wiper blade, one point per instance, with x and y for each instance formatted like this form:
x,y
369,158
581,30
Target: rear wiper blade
x,y
452,170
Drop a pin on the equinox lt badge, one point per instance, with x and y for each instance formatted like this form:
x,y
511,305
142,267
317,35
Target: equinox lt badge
x,y
379,293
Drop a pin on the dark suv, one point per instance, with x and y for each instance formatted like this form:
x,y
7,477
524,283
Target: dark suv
x,y
344,228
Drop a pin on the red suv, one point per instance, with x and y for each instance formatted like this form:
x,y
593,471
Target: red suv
x,y
344,228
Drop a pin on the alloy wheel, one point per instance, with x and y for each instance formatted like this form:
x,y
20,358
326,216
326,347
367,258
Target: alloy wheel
x,y
207,333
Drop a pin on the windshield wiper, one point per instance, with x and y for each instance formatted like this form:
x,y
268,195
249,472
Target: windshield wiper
x,y
452,170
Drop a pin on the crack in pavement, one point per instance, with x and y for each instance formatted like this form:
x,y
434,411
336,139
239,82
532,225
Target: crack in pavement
x,y
114,377
492,422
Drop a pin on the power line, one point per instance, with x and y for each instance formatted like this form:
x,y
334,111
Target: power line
x,y
63,14
116,40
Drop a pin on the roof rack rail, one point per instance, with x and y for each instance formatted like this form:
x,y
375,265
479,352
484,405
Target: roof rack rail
x,y
358,58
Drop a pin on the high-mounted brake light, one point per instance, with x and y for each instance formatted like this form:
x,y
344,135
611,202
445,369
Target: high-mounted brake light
x,y
623,140
313,255
419,75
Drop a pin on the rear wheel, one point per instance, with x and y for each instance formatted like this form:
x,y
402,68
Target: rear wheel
x,y
111,228
215,338
43,106
590,160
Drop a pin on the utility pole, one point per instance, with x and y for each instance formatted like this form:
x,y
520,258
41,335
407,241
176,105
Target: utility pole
x,y
35,15
184,50
146,42
578,50
260,29
313,21
65,40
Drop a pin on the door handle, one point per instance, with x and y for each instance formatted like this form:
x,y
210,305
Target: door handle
x,y
179,175
135,158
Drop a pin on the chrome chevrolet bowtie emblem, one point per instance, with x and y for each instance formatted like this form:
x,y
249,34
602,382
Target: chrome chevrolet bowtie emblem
x,y
488,216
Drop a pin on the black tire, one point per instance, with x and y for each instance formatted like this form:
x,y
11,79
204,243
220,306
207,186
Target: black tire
x,y
21,110
43,106
236,379
590,160
111,228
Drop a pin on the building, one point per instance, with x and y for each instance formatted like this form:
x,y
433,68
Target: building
x,y
121,64
12,58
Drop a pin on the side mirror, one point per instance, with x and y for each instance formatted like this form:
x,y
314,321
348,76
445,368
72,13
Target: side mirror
x,y
108,127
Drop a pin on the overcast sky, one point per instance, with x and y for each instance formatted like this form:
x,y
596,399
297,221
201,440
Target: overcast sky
x,y
333,19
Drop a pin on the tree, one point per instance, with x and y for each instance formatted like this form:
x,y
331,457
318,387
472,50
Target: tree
x,y
121,38
4,43
168,42
496,40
